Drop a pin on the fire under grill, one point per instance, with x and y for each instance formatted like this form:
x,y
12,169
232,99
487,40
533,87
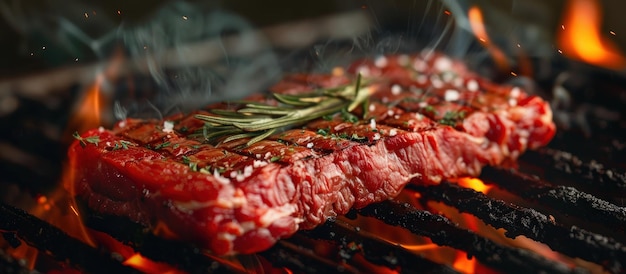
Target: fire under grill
x,y
562,210
571,222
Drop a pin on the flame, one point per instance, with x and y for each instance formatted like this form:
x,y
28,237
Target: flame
x,y
475,184
145,265
580,36
88,114
464,264
477,24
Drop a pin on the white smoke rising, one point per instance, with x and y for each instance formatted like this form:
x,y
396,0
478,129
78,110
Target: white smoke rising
x,y
189,54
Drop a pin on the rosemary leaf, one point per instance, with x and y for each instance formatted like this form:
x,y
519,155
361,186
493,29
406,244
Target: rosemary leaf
x,y
258,121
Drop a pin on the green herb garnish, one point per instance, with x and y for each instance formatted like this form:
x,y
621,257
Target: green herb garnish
x,y
162,145
122,144
451,118
84,140
258,121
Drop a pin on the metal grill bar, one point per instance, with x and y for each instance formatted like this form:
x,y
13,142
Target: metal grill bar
x,y
375,249
567,164
49,239
9,265
300,259
184,256
572,241
443,232
565,199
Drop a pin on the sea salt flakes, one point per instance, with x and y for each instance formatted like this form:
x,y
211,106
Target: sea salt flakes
x,y
381,62
515,92
168,126
472,85
396,89
443,64
451,95
372,124
309,145
258,163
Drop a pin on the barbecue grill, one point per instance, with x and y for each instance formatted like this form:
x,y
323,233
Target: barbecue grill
x,y
560,210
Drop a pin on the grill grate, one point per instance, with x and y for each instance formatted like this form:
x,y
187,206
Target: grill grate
x,y
443,232
572,241
568,200
577,187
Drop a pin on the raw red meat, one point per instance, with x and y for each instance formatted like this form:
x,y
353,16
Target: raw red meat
x,y
429,119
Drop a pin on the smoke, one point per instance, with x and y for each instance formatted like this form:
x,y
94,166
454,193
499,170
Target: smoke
x,y
199,56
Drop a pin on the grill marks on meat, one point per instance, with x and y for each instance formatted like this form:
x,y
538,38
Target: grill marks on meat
x,y
236,199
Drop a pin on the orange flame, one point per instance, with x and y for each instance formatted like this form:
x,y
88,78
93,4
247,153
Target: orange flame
x,y
145,265
475,184
88,114
477,24
580,36
464,264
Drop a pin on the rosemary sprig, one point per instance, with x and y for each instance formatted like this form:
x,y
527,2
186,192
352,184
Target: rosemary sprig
x,y
258,121
84,140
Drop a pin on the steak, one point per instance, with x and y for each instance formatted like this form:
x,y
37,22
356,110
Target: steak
x,y
428,118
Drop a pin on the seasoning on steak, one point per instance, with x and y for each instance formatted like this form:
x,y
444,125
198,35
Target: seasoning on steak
x,y
428,119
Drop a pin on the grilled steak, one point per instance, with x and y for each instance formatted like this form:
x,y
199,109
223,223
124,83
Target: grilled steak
x,y
428,119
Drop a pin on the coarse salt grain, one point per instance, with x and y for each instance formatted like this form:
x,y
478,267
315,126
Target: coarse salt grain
x,y
376,137
309,145
396,89
372,107
101,129
443,64
472,85
451,95
381,62
168,126
515,92
372,124
393,132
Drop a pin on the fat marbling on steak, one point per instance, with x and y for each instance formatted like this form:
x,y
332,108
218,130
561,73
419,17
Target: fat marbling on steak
x,y
427,119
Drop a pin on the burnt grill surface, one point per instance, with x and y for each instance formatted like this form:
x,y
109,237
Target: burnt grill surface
x,y
568,196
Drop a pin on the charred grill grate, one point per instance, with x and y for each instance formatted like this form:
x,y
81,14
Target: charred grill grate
x,y
348,241
586,194
582,190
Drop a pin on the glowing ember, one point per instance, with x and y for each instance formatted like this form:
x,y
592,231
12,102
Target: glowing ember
x,y
580,36
464,264
477,24
475,184
141,263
